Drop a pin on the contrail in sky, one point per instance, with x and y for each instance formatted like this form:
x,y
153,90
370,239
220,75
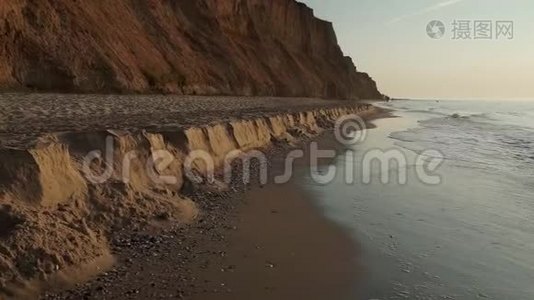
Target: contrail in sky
x,y
425,10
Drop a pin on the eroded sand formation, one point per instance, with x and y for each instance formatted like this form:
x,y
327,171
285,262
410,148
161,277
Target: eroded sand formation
x,y
55,220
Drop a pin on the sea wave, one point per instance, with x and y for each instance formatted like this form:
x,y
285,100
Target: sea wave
x,y
518,113
494,141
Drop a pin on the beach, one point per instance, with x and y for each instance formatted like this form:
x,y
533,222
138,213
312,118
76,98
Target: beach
x,y
457,229
416,233
208,231
249,149
273,243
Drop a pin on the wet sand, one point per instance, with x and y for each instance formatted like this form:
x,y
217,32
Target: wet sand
x,y
283,249
468,237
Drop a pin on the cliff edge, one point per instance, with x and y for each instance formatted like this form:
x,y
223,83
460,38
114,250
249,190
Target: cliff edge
x,y
203,47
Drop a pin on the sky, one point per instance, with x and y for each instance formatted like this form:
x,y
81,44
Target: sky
x,y
388,39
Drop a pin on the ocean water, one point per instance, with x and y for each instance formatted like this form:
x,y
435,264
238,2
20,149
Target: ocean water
x,y
470,235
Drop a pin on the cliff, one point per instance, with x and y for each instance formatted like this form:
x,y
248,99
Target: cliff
x,y
205,47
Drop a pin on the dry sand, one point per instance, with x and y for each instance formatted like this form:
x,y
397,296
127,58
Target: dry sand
x,y
58,229
24,117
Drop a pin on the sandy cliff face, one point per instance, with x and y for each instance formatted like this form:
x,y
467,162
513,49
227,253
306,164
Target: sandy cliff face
x,y
235,47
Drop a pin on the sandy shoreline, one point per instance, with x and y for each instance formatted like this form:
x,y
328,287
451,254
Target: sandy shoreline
x,y
267,242
175,260
261,242
283,248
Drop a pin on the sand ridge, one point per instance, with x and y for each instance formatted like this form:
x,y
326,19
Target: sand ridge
x,y
56,219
